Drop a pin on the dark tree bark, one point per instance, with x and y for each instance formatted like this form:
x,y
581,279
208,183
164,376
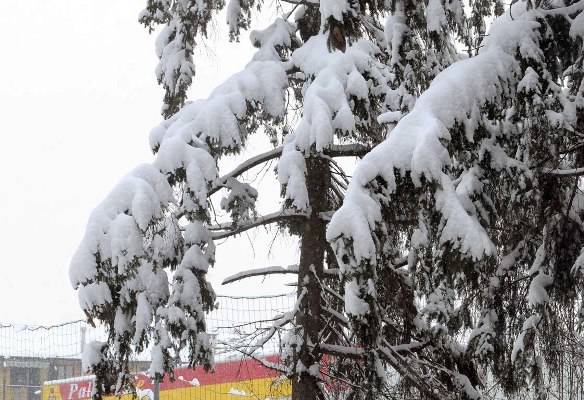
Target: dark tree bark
x,y
312,254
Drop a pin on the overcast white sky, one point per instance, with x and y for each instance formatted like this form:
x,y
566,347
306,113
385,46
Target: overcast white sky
x,y
78,97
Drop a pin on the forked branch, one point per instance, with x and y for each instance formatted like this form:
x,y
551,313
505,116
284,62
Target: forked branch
x,y
335,150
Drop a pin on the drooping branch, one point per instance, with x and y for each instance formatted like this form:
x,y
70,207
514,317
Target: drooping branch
x,y
405,369
334,293
390,355
337,316
343,351
360,352
267,364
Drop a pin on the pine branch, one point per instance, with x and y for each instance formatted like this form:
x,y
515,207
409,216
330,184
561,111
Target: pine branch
x,y
342,351
347,150
572,148
564,173
565,10
273,366
274,270
334,293
246,166
285,319
342,380
390,355
404,368
263,220
300,1
400,262
336,150
337,316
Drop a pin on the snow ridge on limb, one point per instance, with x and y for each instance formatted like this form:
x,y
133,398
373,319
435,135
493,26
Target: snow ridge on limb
x,y
416,146
388,92
419,164
477,166
134,244
472,173
131,207
204,130
184,21
118,267
338,80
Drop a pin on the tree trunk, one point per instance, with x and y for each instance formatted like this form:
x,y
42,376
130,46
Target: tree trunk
x,y
312,252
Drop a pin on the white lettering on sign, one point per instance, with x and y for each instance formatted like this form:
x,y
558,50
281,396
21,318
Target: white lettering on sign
x,y
73,388
80,391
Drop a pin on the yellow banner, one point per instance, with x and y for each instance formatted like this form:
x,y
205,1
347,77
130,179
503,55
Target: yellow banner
x,y
257,389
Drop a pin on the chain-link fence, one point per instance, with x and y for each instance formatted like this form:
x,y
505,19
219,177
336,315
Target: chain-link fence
x,y
44,362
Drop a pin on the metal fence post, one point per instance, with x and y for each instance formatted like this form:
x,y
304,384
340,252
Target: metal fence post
x,y
156,389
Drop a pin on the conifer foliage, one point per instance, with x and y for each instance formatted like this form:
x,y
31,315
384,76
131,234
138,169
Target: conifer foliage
x,y
445,263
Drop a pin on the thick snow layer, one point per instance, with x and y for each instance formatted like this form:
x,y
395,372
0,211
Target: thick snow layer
x,y
94,295
278,34
143,316
204,130
127,210
537,293
196,233
354,304
484,333
337,77
154,283
157,361
233,15
394,31
436,17
578,266
416,145
175,70
333,8
122,323
577,28
92,355
461,227
530,324
530,81
214,120
121,230
464,384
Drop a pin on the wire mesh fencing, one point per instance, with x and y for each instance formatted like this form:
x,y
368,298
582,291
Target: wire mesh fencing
x,y
44,362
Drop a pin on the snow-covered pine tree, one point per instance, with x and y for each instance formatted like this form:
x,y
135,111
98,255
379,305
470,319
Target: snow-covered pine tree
x,y
477,190
469,200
